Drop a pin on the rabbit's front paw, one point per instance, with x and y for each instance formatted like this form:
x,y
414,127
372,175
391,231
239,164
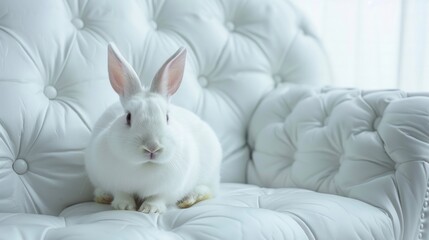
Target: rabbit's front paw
x,y
123,202
152,206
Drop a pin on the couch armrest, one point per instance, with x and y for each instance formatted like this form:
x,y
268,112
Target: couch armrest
x,y
368,145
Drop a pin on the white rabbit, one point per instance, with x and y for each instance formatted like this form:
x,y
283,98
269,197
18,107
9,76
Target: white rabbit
x,y
145,147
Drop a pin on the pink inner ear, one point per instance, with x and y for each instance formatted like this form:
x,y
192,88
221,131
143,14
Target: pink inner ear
x,y
123,78
116,73
175,73
169,76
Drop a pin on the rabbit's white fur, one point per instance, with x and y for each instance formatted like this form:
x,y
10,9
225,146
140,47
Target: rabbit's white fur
x,y
124,160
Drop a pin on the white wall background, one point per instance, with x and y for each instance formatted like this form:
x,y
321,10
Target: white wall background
x,y
374,43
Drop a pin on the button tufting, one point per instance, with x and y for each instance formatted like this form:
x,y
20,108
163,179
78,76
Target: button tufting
x,y
153,24
341,160
326,121
78,23
203,81
277,78
376,123
20,166
50,92
230,26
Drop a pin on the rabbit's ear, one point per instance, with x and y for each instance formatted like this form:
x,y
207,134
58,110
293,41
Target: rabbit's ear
x,y
169,76
123,78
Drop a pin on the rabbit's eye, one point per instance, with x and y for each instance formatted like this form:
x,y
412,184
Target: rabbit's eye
x,y
129,119
167,118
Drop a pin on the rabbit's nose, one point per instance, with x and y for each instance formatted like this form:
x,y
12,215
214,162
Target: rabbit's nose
x,y
152,151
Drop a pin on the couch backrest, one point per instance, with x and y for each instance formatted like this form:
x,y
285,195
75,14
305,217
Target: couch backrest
x,y
54,82
369,145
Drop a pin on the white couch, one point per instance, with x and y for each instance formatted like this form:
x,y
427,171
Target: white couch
x,y
300,161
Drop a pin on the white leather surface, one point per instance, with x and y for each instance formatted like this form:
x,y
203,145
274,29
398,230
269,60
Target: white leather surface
x,y
372,146
54,84
368,151
240,212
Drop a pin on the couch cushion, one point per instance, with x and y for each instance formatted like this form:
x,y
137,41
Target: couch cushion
x,y
368,145
243,211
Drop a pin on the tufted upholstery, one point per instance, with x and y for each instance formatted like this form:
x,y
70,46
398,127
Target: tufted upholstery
x,y
347,164
372,146
242,212
53,79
